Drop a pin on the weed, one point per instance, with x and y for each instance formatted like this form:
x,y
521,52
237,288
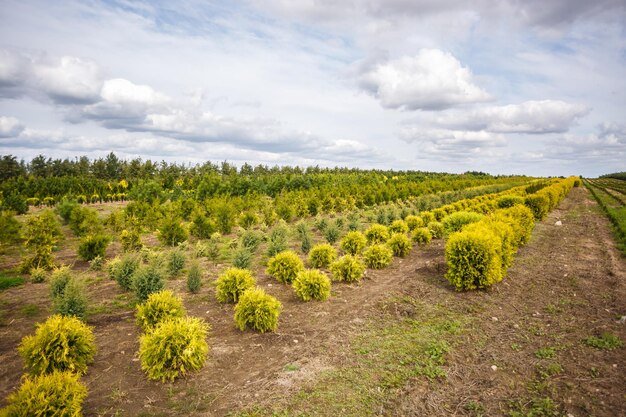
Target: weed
x,y
607,341
546,353
8,282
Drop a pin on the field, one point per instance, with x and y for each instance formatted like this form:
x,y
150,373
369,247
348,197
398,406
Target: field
x,y
544,337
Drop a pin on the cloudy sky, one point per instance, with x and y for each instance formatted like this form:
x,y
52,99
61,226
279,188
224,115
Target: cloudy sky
x,y
531,87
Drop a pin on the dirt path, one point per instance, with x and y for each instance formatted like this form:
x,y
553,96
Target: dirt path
x,y
567,284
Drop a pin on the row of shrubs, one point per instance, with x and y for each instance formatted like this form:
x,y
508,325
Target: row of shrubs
x,y
480,248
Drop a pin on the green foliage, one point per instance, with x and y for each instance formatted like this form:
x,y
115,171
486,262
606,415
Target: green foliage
x,y
348,268
398,226
131,240
194,277
41,234
377,233
242,258
606,341
413,222
421,236
72,301
225,215
159,307
285,266
92,246
455,221
171,231
399,244
331,233
202,226
174,348
522,222
539,204
311,284
232,283
251,240
257,310
59,394
62,343
14,201
122,269
509,200
353,242
427,217
175,262
96,264
278,240
38,275
378,256
436,229
473,258
248,219
148,279
59,279
8,282
306,244
84,220
322,255
9,229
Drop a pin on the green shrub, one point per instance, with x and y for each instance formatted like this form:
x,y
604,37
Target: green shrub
x,y
311,284
455,221
248,219
285,266
131,240
171,231
436,229
65,208
92,246
225,215
41,234
398,226
331,233
174,348
306,244
38,275
250,240
378,256
59,279
194,277
502,229
377,233
523,222
277,240
202,226
73,301
322,255
62,343
242,258
427,217
321,224
160,306
538,204
509,201
96,264
9,229
413,222
399,244
59,394
353,242
607,341
84,220
122,269
348,268
257,310
148,279
473,259
232,283
175,262
421,236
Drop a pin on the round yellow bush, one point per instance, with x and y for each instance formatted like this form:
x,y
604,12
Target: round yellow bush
x,y
353,242
285,266
348,268
160,306
257,310
322,255
312,284
232,283
378,256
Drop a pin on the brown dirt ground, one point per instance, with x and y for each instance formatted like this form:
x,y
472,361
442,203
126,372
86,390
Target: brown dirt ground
x,y
567,284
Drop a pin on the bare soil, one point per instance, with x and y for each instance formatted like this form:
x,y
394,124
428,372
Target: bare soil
x,y
566,284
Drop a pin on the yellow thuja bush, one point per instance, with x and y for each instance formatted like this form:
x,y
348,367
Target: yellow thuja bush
x,y
312,284
322,255
232,283
348,268
285,266
353,242
257,310
160,306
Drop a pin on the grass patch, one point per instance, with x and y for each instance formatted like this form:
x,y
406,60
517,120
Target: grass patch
x,y
607,341
29,310
546,353
9,282
388,353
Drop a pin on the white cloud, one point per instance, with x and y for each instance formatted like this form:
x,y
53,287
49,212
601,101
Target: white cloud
x,y
531,117
10,127
430,80
68,80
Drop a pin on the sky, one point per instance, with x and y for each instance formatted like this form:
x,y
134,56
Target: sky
x,y
527,87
